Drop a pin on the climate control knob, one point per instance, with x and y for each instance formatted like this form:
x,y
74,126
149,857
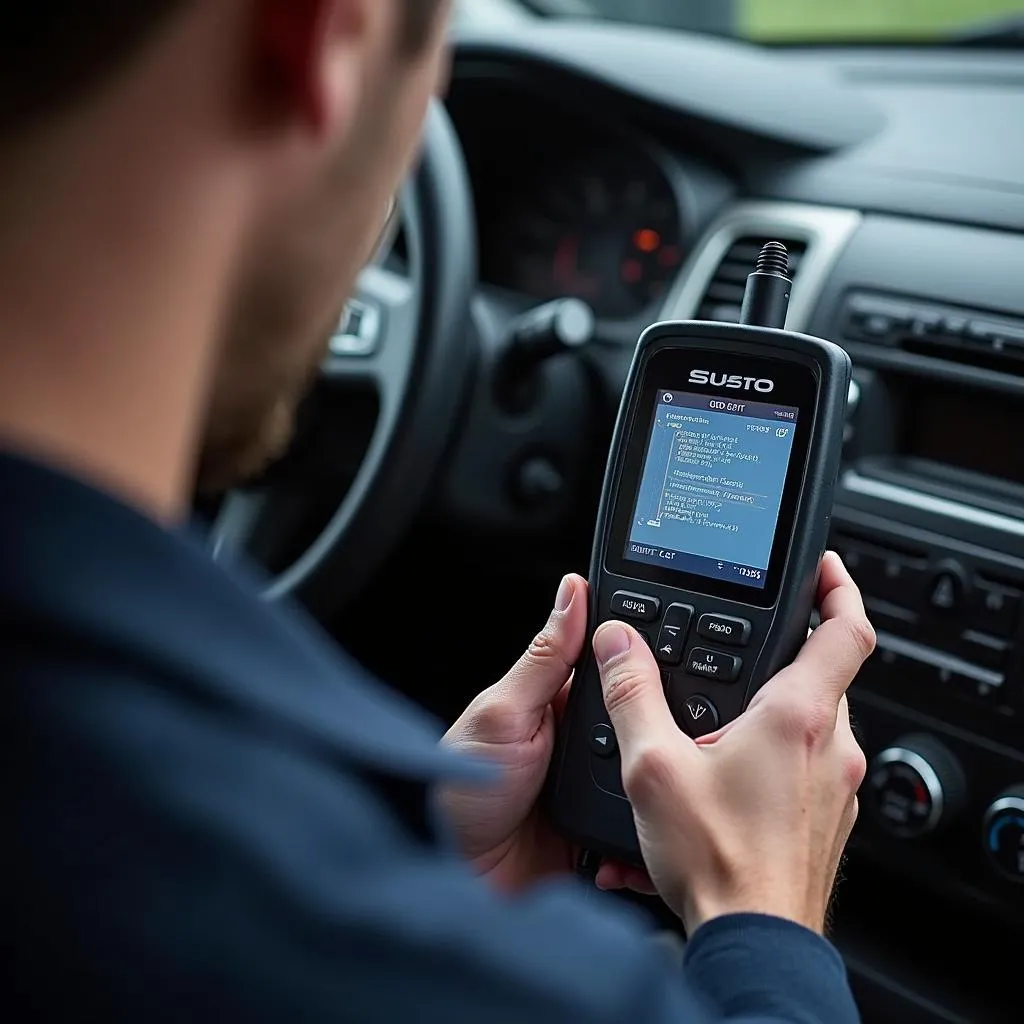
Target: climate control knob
x,y
915,787
1003,834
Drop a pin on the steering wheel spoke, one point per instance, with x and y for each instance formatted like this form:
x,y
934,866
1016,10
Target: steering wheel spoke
x,y
377,334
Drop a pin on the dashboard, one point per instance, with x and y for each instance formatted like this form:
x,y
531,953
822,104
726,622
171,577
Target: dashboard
x,y
602,227
639,172
577,208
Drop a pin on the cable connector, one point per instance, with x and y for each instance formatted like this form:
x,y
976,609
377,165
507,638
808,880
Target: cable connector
x,y
766,300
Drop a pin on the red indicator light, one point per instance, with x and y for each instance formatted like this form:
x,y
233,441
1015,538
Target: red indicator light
x,y
647,240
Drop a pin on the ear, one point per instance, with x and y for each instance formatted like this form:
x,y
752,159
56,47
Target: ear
x,y
311,53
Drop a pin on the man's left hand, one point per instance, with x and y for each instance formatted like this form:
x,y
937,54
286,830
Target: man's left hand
x,y
500,828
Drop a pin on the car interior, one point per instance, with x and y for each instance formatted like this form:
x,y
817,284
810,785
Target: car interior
x,y
449,461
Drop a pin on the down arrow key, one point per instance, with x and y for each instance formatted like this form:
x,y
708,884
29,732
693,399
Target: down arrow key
x,y
698,716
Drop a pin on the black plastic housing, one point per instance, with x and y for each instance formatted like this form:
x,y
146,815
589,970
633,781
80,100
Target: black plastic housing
x,y
584,792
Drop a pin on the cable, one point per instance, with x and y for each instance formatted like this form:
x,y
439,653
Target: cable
x,y
587,865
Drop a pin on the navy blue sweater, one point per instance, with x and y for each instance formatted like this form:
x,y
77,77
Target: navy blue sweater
x,y
216,816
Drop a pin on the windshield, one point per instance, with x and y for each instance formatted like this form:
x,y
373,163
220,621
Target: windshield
x,y
794,21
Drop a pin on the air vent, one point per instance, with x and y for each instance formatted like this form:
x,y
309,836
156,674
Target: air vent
x,y
724,295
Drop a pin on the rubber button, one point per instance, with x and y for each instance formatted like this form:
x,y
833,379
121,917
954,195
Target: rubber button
x,y
602,740
698,716
672,638
724,629
723,668
669,649
635,606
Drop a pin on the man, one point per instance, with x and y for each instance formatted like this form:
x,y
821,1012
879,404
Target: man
x,y
211,814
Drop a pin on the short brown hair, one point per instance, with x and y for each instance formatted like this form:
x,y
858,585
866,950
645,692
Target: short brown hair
x,y
54,52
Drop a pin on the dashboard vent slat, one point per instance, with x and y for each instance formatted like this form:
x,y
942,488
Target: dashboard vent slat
x,y
724,294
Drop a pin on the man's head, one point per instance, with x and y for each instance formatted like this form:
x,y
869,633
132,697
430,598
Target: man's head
x,y
307,120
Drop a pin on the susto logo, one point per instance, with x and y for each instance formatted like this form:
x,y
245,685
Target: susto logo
x,y
732,380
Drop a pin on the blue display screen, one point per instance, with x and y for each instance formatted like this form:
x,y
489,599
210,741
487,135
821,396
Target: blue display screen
x,y
712,485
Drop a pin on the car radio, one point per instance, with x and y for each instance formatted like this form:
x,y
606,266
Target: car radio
x,y
929,518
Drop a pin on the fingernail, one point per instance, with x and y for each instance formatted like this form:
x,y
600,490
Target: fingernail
x,y
564,596
611,640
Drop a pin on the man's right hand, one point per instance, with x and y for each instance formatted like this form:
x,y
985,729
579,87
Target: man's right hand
x,y
755,817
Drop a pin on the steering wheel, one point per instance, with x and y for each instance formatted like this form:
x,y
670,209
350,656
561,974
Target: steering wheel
x,y
407,335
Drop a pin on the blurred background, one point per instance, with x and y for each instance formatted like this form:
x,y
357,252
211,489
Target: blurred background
x,y
782,21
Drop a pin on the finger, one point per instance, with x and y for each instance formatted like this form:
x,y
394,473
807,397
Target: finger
x,y
712,738
536,679
612,876
836,650
844,727
854,760
632,690
835,584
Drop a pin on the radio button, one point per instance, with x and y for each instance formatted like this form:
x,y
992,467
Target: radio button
x,y
983,650
996,609
984,690
724,668
889,617
947,589
635,606
896,578
724,629
902,581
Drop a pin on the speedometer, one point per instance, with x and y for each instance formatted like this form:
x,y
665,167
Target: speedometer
x,y
605,230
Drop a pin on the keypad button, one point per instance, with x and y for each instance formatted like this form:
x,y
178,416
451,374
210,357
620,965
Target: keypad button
x,y
669,648
679,615
698,716
602,740
635,606
723,668
724,629
672,637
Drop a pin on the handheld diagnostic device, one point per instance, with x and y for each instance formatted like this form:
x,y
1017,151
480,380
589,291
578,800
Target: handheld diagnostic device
x,y
713,521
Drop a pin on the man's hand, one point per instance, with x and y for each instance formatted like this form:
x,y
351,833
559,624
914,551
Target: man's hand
x,y
753,818
500,828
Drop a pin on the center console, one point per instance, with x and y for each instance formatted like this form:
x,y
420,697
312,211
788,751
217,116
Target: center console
x,y
930,521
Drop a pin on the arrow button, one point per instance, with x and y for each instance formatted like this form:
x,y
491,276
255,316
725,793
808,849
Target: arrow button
x,y
698,716
602,740
672,638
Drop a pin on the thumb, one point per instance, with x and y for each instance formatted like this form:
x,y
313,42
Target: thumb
x,y
537,677
633,693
